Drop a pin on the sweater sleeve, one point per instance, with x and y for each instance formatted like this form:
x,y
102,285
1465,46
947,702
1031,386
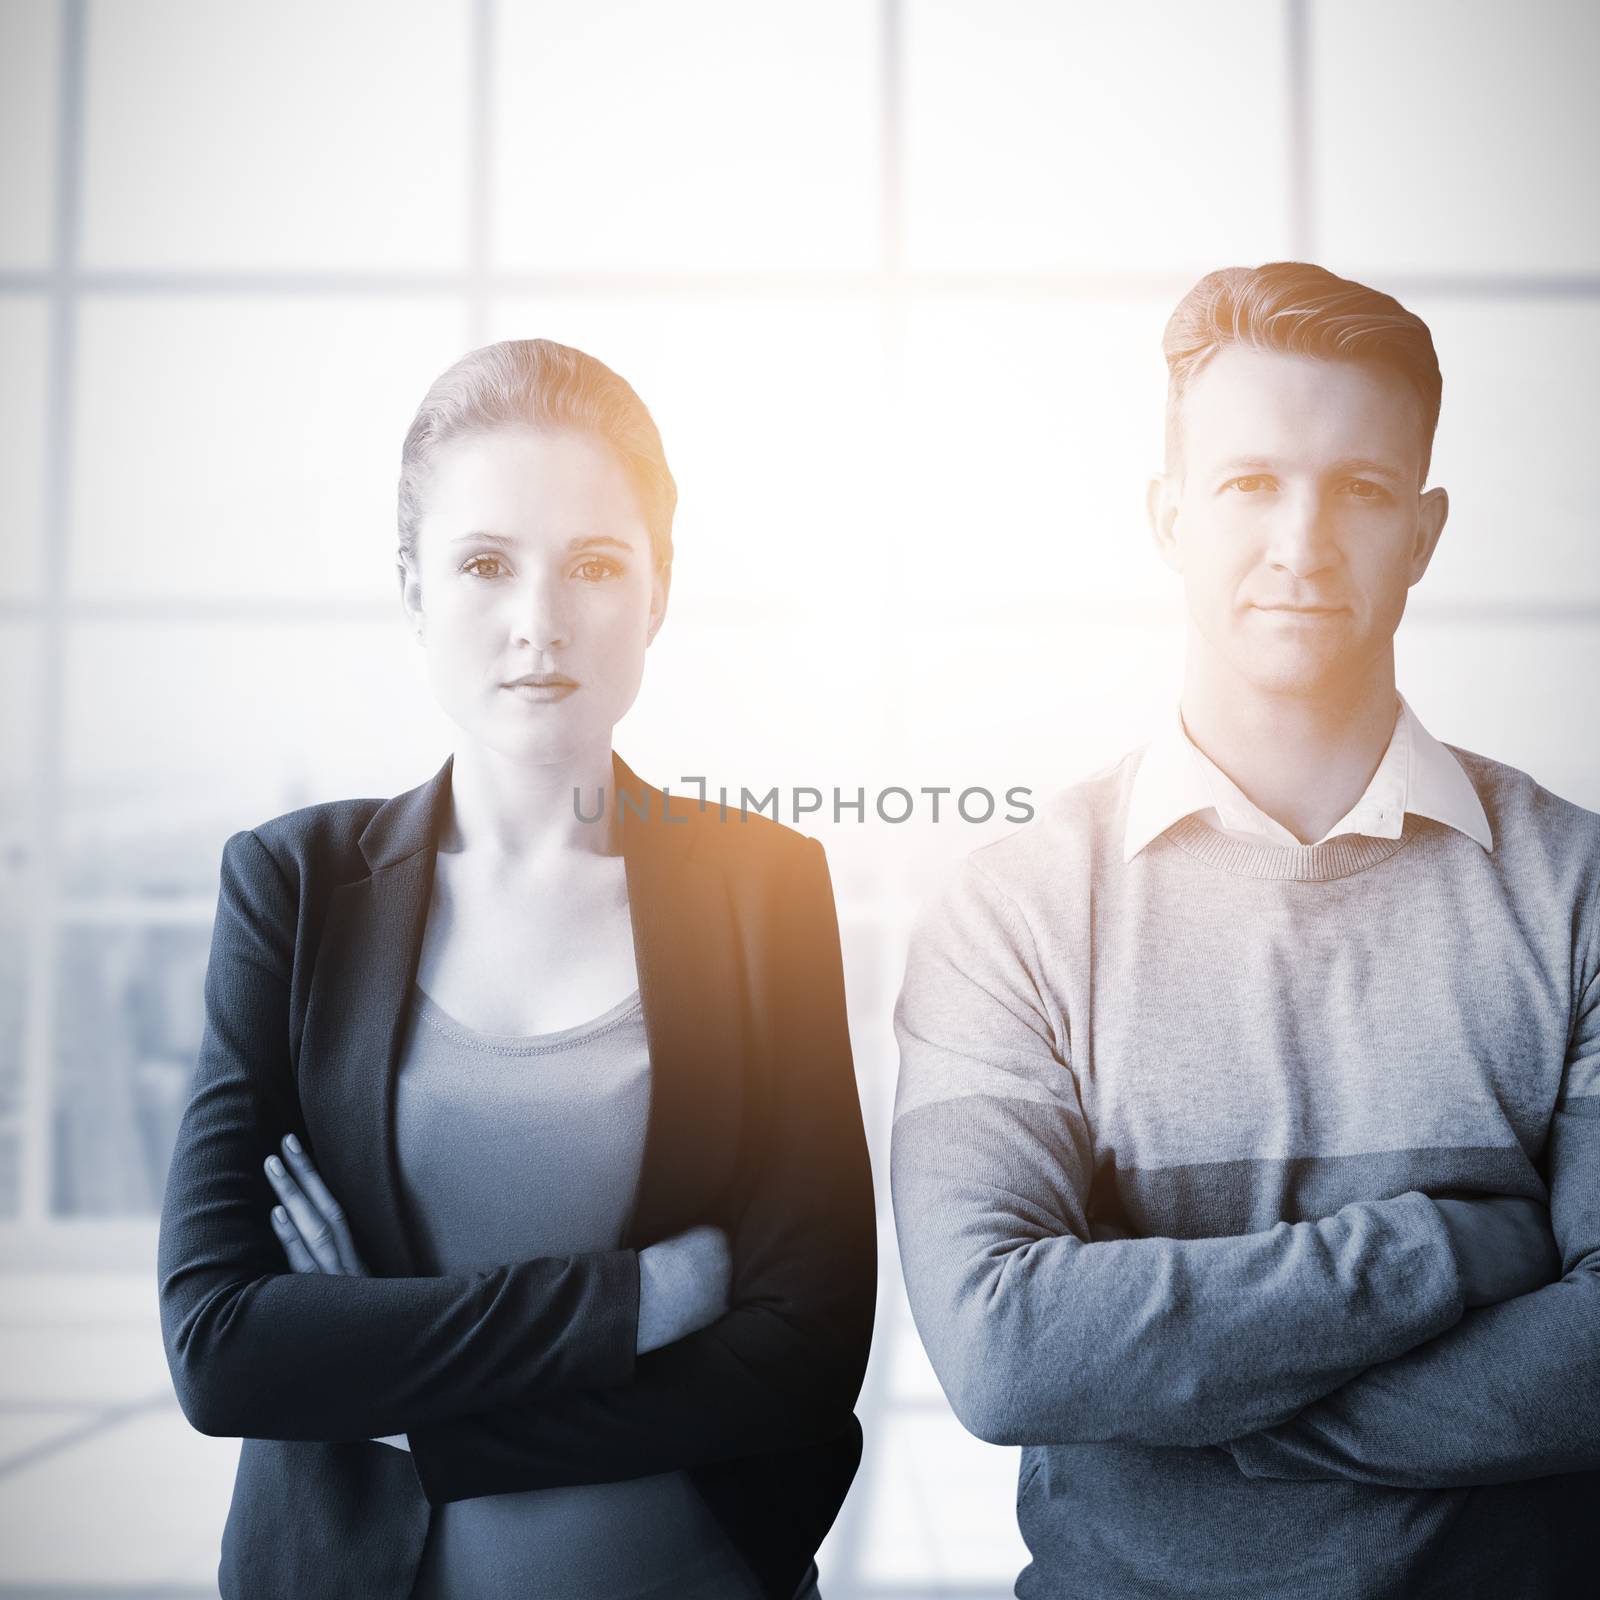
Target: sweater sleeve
x,y
1041,1334
1513,1391
256,1350
782,1368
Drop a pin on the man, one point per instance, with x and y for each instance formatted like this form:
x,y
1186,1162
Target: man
x,y
1246,1158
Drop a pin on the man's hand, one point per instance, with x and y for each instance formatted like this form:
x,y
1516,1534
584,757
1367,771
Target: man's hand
x,y
1503,1247
311,1227
683,1285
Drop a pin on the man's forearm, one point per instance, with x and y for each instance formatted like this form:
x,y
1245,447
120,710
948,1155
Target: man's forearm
x,y
1512,1392
1040,1336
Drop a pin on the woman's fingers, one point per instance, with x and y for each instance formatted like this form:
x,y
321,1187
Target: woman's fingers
x,y
293,1247
315,1190
308,1222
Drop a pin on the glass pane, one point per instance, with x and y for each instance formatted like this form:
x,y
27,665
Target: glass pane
x,y
247,447
1031,707
20,665
24,405
128,1020
19,672
164,1489
13,1019
1512,691
771,414
938,1508
283,136
703,134
748,706
1456,135
29,51
1032,429
1050,137
10,1172
1519,393
912,1380
178,735
871,985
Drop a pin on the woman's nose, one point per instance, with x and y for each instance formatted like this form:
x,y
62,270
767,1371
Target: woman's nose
x,y
544,623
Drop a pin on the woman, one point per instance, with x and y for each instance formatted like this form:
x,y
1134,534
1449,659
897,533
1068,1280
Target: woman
x,y
552,1120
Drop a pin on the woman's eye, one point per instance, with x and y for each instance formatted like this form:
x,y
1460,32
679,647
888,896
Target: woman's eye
x,y
476,562
596,571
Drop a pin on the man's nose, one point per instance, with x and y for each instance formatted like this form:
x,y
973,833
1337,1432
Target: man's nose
x,y
1302,541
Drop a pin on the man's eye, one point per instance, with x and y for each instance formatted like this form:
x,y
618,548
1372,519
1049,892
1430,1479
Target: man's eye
x,y
1250,484
475,562
1363,489
596,571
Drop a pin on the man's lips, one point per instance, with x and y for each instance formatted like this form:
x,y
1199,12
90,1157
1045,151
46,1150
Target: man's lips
x,y
1301,611
541,680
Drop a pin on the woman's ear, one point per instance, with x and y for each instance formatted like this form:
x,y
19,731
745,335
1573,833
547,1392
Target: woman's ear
x,y
660,586
410,593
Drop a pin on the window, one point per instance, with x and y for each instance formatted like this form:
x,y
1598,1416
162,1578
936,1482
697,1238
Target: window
x,y
892,277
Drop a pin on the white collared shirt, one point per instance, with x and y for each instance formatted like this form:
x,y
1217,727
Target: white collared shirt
x,y
1417,774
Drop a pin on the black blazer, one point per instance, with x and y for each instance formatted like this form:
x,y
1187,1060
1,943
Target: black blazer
x,y
523,1376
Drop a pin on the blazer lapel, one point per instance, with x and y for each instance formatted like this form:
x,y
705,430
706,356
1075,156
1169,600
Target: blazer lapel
x,y
361,989
692,994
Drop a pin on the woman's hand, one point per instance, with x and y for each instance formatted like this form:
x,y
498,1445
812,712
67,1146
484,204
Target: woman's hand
x,y
310,1224
311,1227
684,1284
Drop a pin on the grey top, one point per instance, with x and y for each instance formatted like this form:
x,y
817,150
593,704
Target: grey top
x,y
1166,1139
517,1147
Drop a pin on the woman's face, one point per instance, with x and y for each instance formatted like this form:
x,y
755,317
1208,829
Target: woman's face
x,y
533,563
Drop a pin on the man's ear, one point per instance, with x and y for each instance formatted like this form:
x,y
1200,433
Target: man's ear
x,y
1161,506
410,594
660,587
1433,508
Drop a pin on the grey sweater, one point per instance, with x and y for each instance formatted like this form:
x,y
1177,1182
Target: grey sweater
x,y
1165,1139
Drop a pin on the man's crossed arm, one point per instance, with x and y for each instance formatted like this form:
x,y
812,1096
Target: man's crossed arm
x,y
1041,1334
1512,1391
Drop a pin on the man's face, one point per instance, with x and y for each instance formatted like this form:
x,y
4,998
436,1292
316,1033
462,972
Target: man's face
x,y
1296,516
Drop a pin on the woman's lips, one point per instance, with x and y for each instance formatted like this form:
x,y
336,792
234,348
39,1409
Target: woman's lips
x,y
554,689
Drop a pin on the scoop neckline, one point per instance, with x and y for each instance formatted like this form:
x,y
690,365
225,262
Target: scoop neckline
x,y
522,1043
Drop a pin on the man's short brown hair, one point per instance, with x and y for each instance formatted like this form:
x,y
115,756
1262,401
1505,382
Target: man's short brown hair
x,y
1303,309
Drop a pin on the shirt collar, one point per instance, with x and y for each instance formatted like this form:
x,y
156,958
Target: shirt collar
x,y
1417,774
1439,788
1169,786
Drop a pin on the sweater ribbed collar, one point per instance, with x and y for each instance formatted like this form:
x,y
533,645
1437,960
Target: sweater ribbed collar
x,y
1340,857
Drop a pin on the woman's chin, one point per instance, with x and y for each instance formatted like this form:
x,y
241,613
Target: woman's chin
x,y
552,743
531,732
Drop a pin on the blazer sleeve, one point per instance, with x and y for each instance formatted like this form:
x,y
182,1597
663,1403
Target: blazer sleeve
x,y
783,1367
256,1350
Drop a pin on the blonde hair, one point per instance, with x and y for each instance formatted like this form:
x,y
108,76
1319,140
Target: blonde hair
x,y
538,383
1306,310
